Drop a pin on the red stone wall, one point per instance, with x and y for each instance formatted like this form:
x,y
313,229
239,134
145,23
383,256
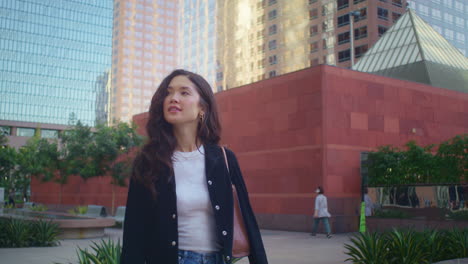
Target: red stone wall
x,y
294,132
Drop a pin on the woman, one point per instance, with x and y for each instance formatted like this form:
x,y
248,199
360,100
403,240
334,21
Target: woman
x,y
321,212
180,203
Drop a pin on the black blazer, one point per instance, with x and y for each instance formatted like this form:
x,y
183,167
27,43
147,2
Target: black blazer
x,y
150,229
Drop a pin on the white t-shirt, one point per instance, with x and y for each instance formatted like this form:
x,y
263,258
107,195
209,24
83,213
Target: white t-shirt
x,y
321,206
196,223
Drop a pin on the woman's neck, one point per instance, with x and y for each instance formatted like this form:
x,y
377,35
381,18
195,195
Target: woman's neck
x,y
186,139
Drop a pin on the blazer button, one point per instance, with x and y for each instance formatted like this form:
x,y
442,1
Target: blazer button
x,y
210,182
224,233
173,216
217,207
173,243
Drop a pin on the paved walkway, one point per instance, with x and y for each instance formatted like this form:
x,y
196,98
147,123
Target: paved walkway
x,y
282,248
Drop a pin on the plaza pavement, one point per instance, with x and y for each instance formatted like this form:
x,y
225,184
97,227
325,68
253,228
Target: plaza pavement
x,y
282,248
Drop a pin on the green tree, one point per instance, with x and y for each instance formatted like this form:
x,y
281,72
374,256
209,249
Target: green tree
x,y
38,158
109,153
8,161
452,159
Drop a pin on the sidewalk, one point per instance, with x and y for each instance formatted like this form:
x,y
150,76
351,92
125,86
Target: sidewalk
x,y
282,248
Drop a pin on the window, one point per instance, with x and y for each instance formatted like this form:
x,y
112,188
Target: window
x,y
359,51
343,38
395,16
358,1
424,10
436,14
449,34
271,2
272,14
272,30
5,130
342,4
314,62
312,1
313,13
327,43
343,20
313,30
360,33
382,30
314,47
448,18
459,22
25,132
219,76
398,3
49,133
362,15
272,60
344,55
272,74
272,44
382,13
326,27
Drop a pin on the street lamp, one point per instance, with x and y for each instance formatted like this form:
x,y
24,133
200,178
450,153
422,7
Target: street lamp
x,y
352,15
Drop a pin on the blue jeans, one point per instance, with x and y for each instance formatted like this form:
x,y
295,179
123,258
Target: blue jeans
x,y
326,224
190,257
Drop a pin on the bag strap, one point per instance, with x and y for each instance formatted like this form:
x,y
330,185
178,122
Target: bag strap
x,y
225,158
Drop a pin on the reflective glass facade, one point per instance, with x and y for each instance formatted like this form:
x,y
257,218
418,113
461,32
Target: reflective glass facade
x,y
448,17
197,33
52,53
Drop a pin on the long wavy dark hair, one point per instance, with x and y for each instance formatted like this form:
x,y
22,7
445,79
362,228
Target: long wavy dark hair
x,y
155,157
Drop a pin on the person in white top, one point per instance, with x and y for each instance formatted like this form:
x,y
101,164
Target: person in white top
x,y
368,202
321,212
180,203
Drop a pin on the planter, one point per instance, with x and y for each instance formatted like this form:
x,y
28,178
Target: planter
x,y
419,224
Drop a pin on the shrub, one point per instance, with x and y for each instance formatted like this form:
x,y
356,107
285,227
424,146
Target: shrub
x,y
457,243
368,248
44,233
461,215
408,246
106,252
17,233
79,210
39,208
23,233
391,213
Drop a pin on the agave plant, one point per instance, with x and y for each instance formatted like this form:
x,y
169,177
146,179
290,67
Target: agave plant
x,y
44,233
457,243
435,245
367,248
17,233
406,247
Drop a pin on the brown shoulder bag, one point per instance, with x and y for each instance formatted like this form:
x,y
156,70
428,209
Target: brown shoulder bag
x,y
240,240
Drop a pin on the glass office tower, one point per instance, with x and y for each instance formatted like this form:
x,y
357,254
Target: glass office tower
x,y
52,52
197,34
448,17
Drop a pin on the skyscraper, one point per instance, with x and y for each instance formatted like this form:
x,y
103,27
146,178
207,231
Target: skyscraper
x,y
52,52
197,35
144,50
448,17
270,37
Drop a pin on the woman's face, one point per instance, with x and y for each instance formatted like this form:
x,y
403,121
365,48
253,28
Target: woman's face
x,y
182,103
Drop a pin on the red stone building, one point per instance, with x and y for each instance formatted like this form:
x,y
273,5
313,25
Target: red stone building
x,y
307,128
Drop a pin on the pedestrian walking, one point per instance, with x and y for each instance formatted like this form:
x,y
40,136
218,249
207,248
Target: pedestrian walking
x,y
321,213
